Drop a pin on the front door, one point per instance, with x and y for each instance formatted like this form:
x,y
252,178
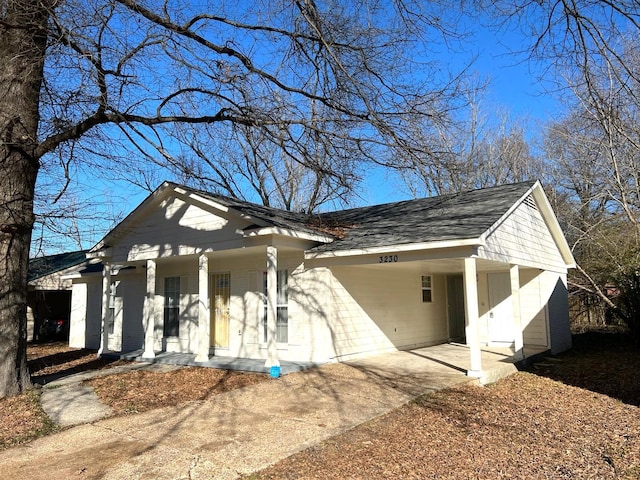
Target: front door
x,y
220,296
500,308
455,308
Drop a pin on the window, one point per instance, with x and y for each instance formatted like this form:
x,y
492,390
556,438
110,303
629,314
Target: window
x,y
427,296
282,307
171,306
111,318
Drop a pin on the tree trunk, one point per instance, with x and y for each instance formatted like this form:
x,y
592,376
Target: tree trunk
x,y
23,38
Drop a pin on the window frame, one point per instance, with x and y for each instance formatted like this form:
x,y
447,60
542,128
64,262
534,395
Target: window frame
x,y
282,307
111,316
171,317
424,289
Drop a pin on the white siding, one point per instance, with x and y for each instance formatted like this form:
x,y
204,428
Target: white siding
x,y
85,318
175,228
77,322
132,289
308,305
523,238
377,309
559,325
533,307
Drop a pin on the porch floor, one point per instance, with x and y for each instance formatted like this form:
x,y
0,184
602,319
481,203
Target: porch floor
x,y
445,359
226,363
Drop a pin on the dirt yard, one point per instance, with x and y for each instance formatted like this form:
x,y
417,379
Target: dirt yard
x,y
22,418
572,416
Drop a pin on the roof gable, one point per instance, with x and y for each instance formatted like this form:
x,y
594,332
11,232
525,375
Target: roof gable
x,y
446,220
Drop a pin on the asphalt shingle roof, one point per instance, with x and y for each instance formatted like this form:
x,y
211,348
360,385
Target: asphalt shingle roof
x,y
42,266
457,216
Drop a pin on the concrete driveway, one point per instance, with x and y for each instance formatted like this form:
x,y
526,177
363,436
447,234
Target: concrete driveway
x,y
241,431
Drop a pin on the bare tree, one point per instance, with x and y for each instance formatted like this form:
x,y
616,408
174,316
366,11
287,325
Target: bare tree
x,y
81,73
477,151
590,51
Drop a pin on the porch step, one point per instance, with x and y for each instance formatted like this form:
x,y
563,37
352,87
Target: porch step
x,y
495,373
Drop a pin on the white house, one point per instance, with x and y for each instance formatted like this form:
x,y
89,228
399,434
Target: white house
x,y
193,272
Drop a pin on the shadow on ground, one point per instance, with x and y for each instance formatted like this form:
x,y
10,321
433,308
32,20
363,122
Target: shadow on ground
x,y
601,361
52,361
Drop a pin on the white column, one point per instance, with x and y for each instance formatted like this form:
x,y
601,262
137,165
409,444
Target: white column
x,y
106,289
204,312
514,274
471,311
148,310
272,306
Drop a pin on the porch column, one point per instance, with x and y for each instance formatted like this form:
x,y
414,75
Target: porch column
x,y
148,310
272,306
514,274
471,311
204,315
104,320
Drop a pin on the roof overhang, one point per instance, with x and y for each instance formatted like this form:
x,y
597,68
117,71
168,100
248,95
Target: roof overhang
x,y
285,232
408,247
552,223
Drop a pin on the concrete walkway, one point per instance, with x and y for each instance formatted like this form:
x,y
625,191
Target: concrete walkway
x,y
244,430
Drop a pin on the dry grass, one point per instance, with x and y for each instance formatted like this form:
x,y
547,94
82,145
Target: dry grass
x,y
22,418
574,417
140,391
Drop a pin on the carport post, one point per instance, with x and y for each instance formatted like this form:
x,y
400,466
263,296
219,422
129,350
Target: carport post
x,y
204,316
104,317
471,310
148,310
272,306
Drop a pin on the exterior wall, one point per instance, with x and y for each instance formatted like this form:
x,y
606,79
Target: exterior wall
x,y
558,307
523,238
129,301
175,227
541,293
187,340
85,321
533,306
381,309
308,304
483,308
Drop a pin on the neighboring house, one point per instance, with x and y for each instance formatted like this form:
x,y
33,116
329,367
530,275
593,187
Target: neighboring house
x,y
188,271
48,294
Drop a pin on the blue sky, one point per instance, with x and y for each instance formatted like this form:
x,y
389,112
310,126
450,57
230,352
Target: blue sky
x,y
513,88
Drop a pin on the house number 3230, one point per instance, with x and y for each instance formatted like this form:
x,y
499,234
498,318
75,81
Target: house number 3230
x,y
388,259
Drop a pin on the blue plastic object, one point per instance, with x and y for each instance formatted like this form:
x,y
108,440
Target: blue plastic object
x,y
274,372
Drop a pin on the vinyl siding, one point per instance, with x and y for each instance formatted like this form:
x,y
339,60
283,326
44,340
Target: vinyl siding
x,y
559,325
523,238
175,228
533,307
378,309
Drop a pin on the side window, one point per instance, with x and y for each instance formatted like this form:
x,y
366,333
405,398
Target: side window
x,y
111,320
282,307
171,306
427,293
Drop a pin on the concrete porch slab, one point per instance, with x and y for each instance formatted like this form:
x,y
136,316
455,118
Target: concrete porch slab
x,y
436,364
